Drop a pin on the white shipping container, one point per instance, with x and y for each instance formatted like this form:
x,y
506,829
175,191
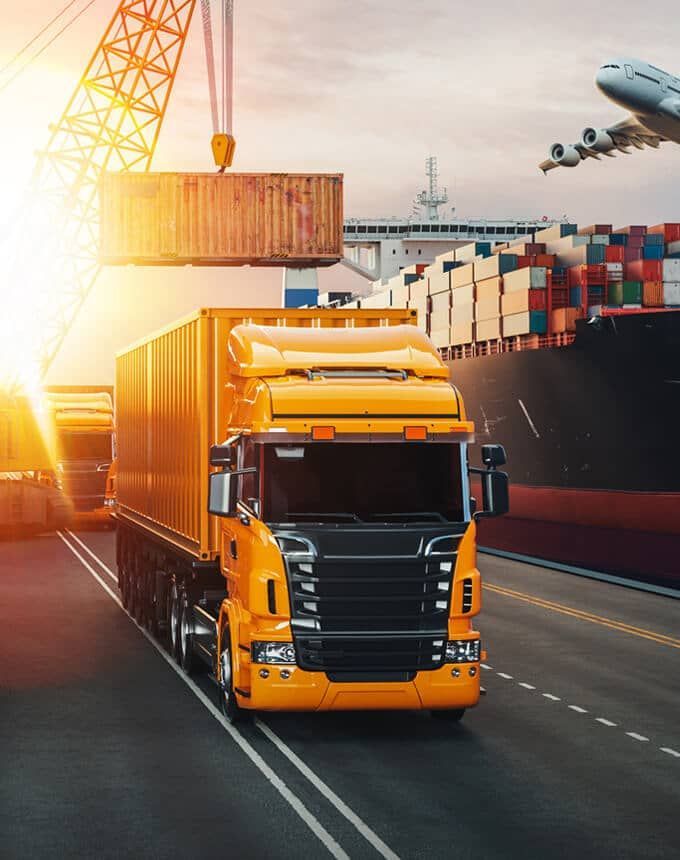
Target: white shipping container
x,y
463,295
488,309
462,333
671,292
377,300
462,276
463,314
558,246
529,278
440,283
599,239
441,337
467,253
673,248
446,257
671,271
440,301
400,296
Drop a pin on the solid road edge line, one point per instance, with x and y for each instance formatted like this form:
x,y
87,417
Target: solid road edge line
x,y
351,816
292,799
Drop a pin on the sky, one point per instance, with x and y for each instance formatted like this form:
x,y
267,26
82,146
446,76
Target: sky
x,y
368,88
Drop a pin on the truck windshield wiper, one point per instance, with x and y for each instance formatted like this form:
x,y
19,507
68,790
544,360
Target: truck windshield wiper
x,y
416,515
332,515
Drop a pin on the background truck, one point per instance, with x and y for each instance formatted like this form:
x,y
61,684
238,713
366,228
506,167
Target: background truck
x,y
31,499
293,509
83,437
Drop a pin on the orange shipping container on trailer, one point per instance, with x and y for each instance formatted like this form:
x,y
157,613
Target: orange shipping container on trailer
x,y
263,219
174,397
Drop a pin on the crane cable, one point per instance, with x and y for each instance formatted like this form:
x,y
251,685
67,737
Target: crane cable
x,y
210,63
42,50
227,64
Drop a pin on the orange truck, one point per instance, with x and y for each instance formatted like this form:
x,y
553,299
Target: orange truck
x,y
31,499
294,509
83,427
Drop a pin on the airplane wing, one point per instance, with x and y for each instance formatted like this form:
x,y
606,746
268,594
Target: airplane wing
x,y
627,133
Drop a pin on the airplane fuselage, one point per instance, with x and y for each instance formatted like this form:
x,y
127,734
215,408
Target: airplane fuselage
x,y
641,88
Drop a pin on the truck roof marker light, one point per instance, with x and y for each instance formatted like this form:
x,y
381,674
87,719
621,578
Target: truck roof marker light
x,y
415,434
323,434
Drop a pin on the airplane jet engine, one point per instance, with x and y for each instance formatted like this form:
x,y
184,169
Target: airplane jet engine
x,y
597,140
565,156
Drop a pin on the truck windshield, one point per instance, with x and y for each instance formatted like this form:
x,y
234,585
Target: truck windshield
x,y
364,482
85,446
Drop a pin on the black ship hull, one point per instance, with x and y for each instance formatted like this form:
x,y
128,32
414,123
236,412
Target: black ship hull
x,y
592,436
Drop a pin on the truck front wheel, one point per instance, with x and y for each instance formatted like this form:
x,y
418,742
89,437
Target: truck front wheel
x,y
230,707
186,626
173,617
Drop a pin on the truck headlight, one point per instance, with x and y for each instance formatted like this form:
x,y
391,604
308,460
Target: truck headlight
x,y
463,651
272,652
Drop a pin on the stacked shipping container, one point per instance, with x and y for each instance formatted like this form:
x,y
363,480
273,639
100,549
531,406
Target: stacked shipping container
x,y
540,285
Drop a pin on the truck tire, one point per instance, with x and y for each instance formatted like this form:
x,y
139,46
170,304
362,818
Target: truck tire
x,y
173,617
124,586
454,715
228,704
138,596
185,645
151,601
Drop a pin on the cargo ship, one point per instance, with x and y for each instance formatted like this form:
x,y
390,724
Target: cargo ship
x,y
566,344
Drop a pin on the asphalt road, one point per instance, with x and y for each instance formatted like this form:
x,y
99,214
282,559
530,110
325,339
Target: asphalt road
x,y
106,751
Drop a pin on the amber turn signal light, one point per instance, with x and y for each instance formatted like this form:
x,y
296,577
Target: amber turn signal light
x,y
415,434
323,434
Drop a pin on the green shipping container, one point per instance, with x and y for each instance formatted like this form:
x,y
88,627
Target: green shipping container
x,y
632,292
615,294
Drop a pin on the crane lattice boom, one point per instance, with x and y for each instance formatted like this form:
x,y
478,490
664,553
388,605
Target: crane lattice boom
x,y
111,122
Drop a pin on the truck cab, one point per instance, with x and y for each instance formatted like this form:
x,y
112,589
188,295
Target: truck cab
x,y
347,538
83,427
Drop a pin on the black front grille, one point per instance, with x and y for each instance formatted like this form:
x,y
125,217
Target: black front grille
x,y
372,599
84,485
383,653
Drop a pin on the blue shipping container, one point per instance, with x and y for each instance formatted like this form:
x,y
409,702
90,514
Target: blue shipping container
x,y
652,252
575,297
538,322
297,298
618,238
654,239
595,254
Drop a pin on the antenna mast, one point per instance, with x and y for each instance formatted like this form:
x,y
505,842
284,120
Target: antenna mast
x,y
435,197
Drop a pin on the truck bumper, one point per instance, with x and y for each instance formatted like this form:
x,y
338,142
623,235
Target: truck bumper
x,y
94,519
312,691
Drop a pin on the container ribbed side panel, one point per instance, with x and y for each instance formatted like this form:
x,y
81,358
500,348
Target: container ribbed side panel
x,y
214,219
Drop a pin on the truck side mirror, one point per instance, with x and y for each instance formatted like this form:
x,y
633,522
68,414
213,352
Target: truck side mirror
x,y
222,495
493,456
221,455
495,494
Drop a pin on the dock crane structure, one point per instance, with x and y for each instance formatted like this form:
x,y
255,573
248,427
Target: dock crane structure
x,y
111,123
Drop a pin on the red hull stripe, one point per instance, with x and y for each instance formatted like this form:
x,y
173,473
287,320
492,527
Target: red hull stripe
x,y
610,509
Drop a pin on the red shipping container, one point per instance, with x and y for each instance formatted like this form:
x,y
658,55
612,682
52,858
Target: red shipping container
x,y
595,229
671,232
615,253
652,292
523,261
644,270
630,254
636,241
547,260
632,230
579,276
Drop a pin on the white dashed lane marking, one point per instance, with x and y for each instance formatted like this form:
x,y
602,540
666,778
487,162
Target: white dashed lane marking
x,y
579,710
670,751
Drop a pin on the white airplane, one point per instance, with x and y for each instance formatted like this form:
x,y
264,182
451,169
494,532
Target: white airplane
x,y
653,98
